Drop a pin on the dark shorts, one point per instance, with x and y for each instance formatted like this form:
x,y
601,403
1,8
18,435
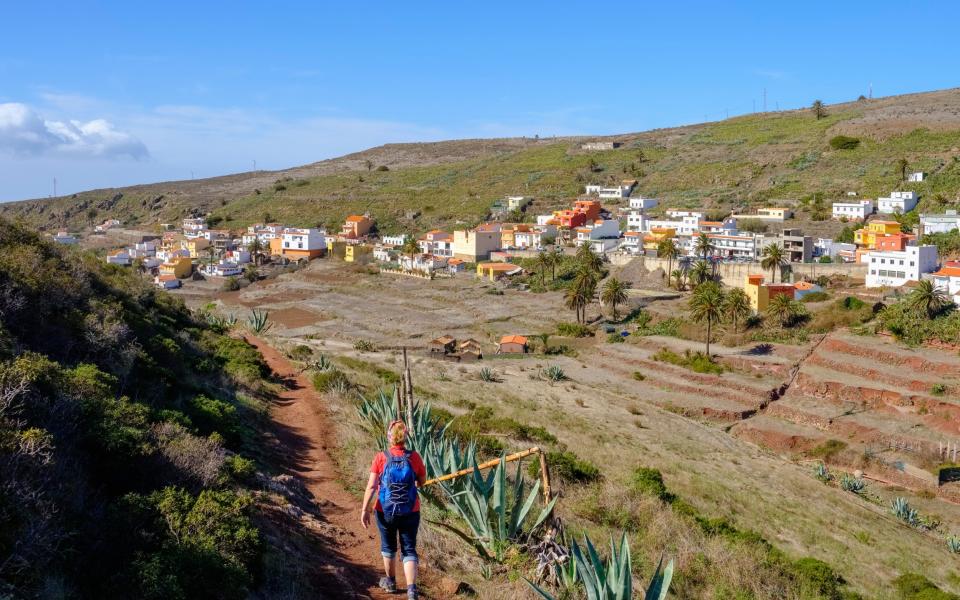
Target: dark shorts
x,y
405,527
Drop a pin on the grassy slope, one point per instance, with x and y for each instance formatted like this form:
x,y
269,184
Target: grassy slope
x,y
772,157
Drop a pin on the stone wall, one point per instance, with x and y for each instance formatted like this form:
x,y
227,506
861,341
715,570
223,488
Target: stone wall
x,y
734,274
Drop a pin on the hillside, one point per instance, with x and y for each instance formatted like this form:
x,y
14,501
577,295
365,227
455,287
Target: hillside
x,y
779,158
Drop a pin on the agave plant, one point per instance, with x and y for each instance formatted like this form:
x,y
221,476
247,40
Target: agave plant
x,y
322,363
854,485
259,321
953,544
554,374
494,516
901,509
612,579
488,375
822,473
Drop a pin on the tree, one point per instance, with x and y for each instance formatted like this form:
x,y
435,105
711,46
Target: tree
x,y
736,306
255,247
211,253
927,299
368,164
819,110
784,308
543,261
410,248
668,249
706,305
676,274
773,259
251,273
703,246
544,340
902,166
614,293
555,257
588,260
700,273
576,299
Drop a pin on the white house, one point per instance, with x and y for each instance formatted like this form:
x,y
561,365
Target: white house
x,y
423,262
944,223
533,239
894,268
143,250
743,246
853,211
167,282
683,222
310,239
598,230
194,226
120,257
610,192
641,203
437,243
726,227
518,202
395,240
948,280
383,253
902,202
238,256
263,233
223,269
632,242
916,177
63,237
837,251
108,224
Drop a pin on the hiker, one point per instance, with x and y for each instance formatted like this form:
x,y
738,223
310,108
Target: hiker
x,y
396,472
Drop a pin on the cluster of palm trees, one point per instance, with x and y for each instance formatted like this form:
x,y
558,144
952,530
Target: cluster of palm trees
x,y
711,305
583,288
701,272
548,260
927,299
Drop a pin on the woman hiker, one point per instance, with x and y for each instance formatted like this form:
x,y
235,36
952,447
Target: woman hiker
x,y
396,472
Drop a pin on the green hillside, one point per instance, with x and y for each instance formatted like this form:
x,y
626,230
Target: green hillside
x,y
123,421
779,158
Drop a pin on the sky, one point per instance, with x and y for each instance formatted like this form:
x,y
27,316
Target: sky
x,y
106,94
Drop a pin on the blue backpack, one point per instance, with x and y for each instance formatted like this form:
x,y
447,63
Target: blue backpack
x,y
398,485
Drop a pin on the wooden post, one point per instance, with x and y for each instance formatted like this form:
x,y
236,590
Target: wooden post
x,y
482,466
545,478
398,401
407,381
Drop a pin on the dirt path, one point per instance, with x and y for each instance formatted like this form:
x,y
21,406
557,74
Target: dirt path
x,y
304,433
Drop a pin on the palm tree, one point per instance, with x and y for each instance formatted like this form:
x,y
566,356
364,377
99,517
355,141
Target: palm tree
x,y
576,300
927,299
668,249
211,252
783,308
676,274
543,261
703,246
555,257
902,166
411,248
737,306
700,273
614,293
588,259
773,259
819,110
706,305
255,247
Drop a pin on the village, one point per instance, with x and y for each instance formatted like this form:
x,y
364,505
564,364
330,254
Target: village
x,y
881,252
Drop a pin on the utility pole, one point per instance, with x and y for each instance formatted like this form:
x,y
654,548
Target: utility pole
x,y
254,165
54,187
754,105
764,99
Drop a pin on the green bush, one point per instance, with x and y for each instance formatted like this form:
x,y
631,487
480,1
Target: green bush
x,y
912,586
301,352
331,380
647,481
668,327
843,142
815,297
698,362
211,414
614,338
828,449
825,260
852,303
240,468
570,468
573,330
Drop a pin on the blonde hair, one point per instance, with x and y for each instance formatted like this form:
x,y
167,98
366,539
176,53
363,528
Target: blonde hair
x,y
397,433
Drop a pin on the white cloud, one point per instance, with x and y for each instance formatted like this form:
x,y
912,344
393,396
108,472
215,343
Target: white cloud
x,y
24,132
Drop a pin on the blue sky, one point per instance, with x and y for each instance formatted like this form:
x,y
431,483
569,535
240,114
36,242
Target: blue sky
x,y
110,93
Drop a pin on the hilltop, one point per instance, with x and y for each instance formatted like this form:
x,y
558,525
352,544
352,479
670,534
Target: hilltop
x,y
778,157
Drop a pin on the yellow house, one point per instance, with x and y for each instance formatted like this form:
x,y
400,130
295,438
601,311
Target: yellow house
x,y
867,236
195,246
495,270
657,235
178,266
508,234
358,253
760,293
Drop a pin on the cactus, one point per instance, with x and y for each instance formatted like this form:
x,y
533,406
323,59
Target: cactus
x,y
612,579
259,321
901,509
854,485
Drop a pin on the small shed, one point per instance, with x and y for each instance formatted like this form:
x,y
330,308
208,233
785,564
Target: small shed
x,y
443,345
512,344
469,349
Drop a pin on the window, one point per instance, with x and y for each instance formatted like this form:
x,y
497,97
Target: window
x,y
883,273
901,262
911,263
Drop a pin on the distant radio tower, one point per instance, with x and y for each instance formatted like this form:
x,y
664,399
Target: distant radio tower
x,y
254,165
54,187
871,92
764,99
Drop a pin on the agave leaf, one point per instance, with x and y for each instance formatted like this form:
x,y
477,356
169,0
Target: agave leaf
x,y
539,590
660,583
547,510
520,512
587,574
477,545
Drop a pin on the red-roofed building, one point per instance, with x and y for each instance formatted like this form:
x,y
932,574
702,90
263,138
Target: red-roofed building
x,y
947,279
512,344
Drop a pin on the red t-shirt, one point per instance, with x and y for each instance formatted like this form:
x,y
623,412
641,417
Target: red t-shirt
x,y
380,461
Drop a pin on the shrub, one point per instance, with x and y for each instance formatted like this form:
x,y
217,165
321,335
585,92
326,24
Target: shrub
x,y
911,586
383,168
843,142
570,468
211,414
938,389
301,352
240,468
815,297
639,376
614,338
752,225
698,362
819,577
645,480
573,330
828,449
331,380
852,303
364,346
230,284
825,260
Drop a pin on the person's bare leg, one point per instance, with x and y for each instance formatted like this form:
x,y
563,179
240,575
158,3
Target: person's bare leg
x,y
390,567
410,571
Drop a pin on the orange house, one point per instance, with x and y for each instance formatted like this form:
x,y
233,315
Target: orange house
x,y
895,242
590,208
356,226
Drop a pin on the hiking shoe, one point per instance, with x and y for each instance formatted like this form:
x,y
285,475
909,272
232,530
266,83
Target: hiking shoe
x,y
412,594
388,584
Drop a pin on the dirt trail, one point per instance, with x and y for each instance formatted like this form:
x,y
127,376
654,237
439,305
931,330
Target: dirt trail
x,y
304,432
